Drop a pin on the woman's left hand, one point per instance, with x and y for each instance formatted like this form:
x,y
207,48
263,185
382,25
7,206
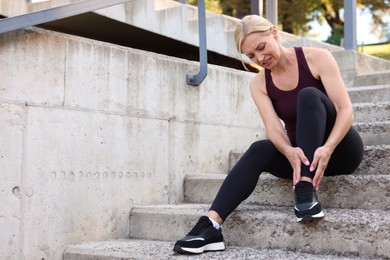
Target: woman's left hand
x,y
319,164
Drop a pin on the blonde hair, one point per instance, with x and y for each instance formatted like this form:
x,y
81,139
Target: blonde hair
x,y
250,24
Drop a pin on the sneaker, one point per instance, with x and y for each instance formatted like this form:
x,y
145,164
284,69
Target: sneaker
x,y
203,237
307,206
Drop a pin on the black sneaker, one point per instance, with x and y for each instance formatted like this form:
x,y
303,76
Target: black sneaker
x,y
203,237
307,206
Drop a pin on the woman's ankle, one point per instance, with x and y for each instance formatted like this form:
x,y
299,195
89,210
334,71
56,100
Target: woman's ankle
x,y
308,179
215,216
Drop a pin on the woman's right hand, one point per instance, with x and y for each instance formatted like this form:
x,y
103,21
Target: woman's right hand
x,y
296,157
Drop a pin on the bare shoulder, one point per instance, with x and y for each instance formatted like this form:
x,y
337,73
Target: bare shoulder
x,y
319,59
314,53
257,83
317,56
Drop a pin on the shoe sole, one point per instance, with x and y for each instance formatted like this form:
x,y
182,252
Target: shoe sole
x,y
220,246
311,217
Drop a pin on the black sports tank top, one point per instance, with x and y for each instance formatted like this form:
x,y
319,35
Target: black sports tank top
x,y
285,102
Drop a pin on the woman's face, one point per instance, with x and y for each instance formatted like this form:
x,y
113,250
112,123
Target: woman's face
x,y
261,48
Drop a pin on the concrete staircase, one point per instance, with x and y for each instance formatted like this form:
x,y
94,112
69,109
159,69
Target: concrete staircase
x,y
356,223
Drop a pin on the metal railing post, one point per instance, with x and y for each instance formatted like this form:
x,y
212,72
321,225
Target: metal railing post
x,y
272,11
197,79
350,24
257,7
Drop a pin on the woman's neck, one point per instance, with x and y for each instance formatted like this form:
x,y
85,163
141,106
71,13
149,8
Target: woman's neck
x,y
286,60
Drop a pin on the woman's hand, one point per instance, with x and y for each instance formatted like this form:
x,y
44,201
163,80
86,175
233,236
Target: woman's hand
x,y
296,157
319,164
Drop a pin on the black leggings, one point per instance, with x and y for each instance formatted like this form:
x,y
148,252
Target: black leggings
x,y
315,119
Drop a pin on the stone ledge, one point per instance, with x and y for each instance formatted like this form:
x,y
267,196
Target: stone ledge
x,y
374,133
344,191
378,93
147,249
372,112
362,233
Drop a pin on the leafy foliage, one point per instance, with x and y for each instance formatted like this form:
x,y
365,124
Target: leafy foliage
x,y
295,15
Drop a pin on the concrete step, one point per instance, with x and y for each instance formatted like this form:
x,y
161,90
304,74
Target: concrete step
x,y
376,160
374,133
373,78
379,93
372,112
345,191
364,233
148,249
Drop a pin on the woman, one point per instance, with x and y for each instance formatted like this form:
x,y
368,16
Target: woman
x,y
302,87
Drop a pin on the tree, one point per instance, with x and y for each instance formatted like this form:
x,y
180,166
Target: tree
x,y
331,12
236,8
387,36
211,5
295,15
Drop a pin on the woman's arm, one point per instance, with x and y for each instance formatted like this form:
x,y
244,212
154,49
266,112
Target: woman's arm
x,y
323,66
274,128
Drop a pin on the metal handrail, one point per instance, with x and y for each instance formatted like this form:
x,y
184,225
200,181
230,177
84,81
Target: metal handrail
x,y
350,41
55,13
65,11
196,80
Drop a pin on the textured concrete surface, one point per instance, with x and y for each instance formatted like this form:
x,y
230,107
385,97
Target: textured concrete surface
x,y
377,112
349,231
374,133
150,250
376,160
162,17
374,93
335,192
373,78
91,129
12,118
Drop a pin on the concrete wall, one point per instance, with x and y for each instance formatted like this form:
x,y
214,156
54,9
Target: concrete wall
x,y
91,129
163,16
17,7
12,8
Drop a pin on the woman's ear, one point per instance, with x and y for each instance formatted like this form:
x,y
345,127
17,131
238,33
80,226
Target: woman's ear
x,y
275,32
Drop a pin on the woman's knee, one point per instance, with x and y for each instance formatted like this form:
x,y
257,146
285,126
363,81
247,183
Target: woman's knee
x,y
309,95
309,91
348,155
